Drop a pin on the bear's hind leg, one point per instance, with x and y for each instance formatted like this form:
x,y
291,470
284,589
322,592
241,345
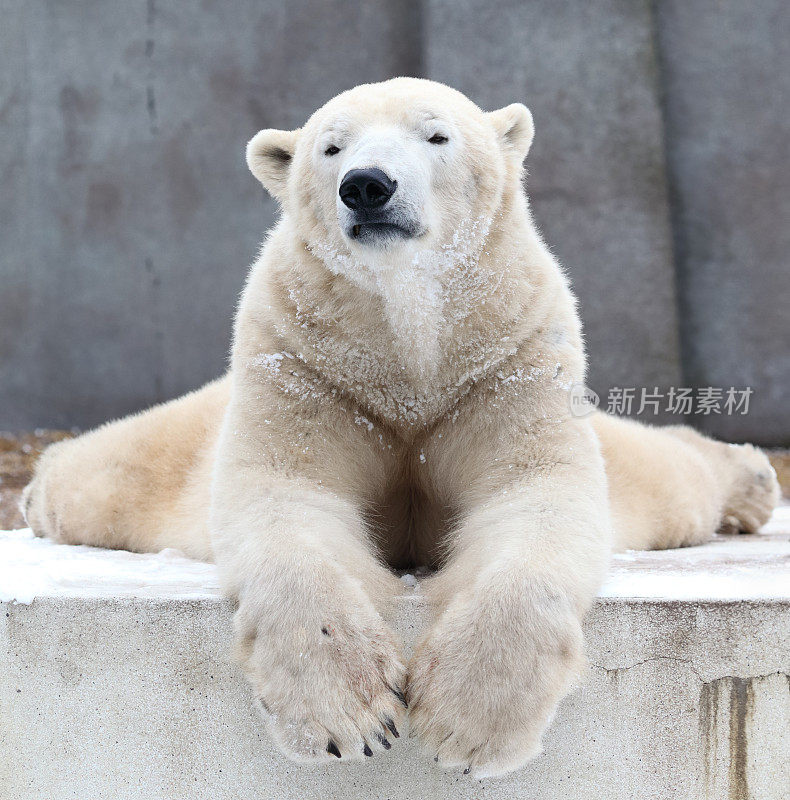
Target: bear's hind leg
x,y
141,483
674,487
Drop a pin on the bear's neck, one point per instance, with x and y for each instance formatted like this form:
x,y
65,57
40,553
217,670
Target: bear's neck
x,y
408,339
423,297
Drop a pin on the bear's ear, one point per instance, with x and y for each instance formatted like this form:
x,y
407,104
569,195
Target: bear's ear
x,y
514,125
269,156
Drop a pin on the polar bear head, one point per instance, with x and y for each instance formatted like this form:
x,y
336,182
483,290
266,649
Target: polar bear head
x,y
385,171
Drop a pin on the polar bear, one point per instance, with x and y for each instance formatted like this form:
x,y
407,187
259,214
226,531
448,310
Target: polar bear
x,y
398,395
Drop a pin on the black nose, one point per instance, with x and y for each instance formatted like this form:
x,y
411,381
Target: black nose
x,y
364,189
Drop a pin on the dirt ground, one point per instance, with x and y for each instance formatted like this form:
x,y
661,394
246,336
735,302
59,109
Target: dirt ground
x,y
18,453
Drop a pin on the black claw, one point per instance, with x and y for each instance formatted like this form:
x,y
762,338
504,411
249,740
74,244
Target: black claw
x,y
366,750
400,696
391,725
436,759
467,770
332,748
384,741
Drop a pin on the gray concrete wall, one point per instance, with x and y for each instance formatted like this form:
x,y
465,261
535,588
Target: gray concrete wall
x,y
128,218
726,69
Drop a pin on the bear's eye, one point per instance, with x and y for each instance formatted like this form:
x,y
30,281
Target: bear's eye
x,y
332,150
438,138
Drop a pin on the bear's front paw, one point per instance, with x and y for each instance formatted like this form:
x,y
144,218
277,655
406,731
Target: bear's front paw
x,y
330,686
483,684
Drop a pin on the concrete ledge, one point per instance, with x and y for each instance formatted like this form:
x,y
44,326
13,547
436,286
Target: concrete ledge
x,y
115,683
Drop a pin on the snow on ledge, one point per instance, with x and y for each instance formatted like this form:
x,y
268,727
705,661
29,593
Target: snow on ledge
x,y
726,569
31,567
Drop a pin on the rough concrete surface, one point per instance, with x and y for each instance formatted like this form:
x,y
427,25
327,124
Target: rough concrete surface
x,y
106,693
